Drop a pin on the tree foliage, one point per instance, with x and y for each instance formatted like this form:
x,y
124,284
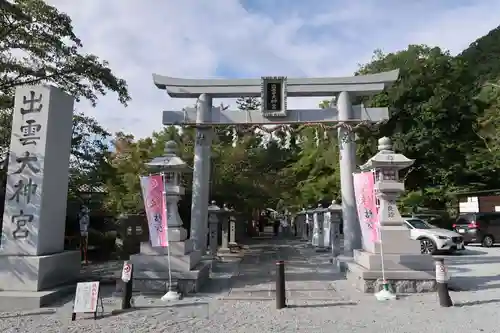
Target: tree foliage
x,y
38,46
444,115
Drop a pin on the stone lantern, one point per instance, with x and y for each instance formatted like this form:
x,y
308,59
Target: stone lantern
x,y
213,227
151,265
300,220
406,269
335,212
172,167
386,165
319,236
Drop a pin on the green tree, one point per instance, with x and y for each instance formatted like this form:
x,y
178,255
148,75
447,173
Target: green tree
x,y
431,119
38,45
89,154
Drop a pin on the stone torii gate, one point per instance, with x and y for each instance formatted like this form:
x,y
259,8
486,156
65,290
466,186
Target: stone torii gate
x,y
274,92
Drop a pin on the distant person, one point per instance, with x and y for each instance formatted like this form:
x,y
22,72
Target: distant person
x,y
262,221
284,225
295,231
276,226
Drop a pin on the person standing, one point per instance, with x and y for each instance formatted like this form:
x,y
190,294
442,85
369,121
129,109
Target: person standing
x,y
262,222
276,225
284,225
84,222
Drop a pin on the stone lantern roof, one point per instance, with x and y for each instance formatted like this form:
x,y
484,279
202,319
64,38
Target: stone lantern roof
x,y
334,206
387,158
169,161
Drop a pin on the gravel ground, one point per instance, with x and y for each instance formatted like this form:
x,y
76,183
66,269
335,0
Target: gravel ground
x,y
475,310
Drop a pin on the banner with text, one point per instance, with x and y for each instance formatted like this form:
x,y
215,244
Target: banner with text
x,y
155,206
364,190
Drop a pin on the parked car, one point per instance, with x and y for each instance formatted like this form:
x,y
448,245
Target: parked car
x,y
483,228
437,220
432,239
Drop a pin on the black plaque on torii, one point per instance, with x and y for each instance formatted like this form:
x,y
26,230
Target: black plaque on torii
x,y
274,96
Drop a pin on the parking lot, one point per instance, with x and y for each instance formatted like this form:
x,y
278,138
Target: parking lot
x,y
475,268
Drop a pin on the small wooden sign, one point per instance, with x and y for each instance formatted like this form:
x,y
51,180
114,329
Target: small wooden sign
x,y
86,298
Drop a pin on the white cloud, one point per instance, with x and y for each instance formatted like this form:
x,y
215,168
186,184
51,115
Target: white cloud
x,y
200,38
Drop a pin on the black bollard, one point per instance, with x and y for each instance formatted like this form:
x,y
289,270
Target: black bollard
x,y
127,280
280,285
442,283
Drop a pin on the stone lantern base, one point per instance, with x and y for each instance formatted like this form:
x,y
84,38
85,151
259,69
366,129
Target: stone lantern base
x,y
189,271
406,270
405,273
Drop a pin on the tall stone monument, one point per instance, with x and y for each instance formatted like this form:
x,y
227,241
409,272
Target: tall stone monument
x,y
405,268
32,256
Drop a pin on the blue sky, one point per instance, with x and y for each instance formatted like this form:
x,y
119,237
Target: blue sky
x,y
252,38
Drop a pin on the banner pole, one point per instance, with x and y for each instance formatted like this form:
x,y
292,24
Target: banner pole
x,y
385,294
171,295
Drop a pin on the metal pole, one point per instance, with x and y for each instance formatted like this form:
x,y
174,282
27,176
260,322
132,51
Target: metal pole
x,y
127,292
347,147
442,283
168,245
280,285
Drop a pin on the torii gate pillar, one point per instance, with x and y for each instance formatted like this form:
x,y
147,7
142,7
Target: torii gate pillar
x,y
347,147
201,174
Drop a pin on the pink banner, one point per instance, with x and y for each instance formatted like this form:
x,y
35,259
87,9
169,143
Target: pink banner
x,y
364,190
154,204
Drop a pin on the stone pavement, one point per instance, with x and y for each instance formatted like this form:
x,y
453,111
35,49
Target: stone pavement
x,y
308,274
239,298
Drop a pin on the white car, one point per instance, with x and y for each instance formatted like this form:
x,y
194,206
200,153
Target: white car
x,y
433,239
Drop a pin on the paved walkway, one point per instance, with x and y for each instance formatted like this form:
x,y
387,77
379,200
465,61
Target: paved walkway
x,y
309,275
240,296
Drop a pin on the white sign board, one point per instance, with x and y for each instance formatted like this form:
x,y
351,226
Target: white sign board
x,y
86,296
126,271
469,206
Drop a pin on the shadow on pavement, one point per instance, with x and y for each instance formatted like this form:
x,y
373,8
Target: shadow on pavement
x,y
474,261
461,304
467,283
39,313
321,305
154,306
469,252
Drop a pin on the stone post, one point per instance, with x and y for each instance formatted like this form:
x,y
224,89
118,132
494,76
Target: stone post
x,y
225,229
303,225
326,228
213,226
310,223
232,228
32,256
